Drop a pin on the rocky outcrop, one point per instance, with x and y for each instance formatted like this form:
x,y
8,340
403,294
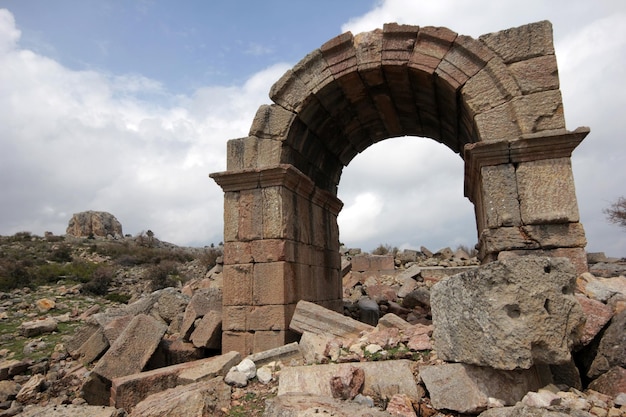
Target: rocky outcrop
x,y
94,224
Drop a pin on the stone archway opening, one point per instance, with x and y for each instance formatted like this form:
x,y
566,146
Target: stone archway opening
x,y
405,192
495,101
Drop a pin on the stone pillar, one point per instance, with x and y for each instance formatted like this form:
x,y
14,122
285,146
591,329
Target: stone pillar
x,y
281,245
524,196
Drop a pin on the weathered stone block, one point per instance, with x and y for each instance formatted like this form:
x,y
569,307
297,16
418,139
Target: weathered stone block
x,y
271,122
499,200
612,348
319,320
273,219
231,216
235,318
270,317
195,400
546,191
472,389
289,92
238,284
536,74
270,339
497,124
539,111
238,253
242,342
273,283
509,314
272,250
431,46
132,349
93,348
490,87
208,331
521,43
250,215
314,380
200,304
544,236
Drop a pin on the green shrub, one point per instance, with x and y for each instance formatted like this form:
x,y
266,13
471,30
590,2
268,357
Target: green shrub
x,y
62,253
209,257
14,274
100,280
163,275
118,298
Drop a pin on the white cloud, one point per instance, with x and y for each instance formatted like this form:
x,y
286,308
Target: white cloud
x,y
80,140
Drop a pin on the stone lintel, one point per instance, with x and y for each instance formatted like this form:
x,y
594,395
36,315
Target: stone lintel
x,y
283,175
528,147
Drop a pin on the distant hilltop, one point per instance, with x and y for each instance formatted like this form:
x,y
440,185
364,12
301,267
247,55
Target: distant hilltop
x,y
94,224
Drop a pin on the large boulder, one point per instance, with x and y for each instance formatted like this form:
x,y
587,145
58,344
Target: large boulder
x,y
509,314
94,223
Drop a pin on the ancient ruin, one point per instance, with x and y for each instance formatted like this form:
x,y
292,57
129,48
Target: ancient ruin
x,y
494,100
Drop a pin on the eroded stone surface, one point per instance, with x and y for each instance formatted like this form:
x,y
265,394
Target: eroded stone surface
x,y
508,314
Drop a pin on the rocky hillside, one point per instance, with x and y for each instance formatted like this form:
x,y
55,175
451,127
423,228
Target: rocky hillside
x,y
131,326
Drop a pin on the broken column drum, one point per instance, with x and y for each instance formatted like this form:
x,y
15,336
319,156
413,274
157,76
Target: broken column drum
x,y
494,100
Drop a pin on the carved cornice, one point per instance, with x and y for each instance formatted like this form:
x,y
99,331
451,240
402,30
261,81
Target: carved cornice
x,y
531,147
283,175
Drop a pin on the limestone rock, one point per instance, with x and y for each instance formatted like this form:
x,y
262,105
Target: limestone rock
x,y
195,400
37,327
521,410
29,390
208,332
597,315
319,320
508,314
45,304
132,349
347,383
300,405
612,348
314,380
611,383
68,410
94,223
471,389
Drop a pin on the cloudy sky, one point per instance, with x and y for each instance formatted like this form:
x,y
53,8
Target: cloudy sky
x,y
126,106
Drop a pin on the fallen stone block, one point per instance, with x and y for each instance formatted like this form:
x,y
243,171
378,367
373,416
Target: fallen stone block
x,y
114,328
611,383
508,314
293,405
81,335
200,304
132,349
612,348
12,367
286,353
315,380
208,332
68,410
195,400
597,315
128,391
319,320
172,352
37,327
171,303
472,389
93,348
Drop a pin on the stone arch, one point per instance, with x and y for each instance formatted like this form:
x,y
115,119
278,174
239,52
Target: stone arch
x,y
494,100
